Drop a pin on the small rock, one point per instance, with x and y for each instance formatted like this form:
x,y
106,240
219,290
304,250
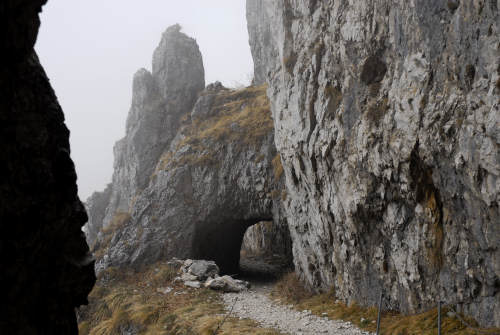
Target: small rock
x,y
175,263
201,269
187,263
193,284
188,277
227,284
164,290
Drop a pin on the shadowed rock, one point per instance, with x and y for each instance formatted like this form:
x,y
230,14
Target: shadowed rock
x,y
46,270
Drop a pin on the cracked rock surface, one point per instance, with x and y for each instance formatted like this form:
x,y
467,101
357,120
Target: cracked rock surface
x,y
387,120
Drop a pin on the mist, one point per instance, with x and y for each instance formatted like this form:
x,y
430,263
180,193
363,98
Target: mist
x,y
91,50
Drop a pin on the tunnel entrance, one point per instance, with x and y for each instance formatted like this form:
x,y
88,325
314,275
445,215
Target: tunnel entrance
x,y
256,248
263,255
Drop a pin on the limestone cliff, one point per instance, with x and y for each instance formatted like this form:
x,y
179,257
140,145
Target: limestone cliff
x,y
159,100
46,269
194,171
387,120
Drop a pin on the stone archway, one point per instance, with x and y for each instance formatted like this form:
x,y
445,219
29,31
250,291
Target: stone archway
x,y
222,242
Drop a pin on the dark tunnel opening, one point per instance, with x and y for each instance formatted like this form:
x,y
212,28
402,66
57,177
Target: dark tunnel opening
x,y
258,257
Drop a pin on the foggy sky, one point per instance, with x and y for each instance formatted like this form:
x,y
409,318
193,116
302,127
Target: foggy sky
x,y
91,50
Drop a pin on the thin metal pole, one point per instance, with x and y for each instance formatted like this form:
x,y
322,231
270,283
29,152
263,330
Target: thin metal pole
x,y
379,312
439,317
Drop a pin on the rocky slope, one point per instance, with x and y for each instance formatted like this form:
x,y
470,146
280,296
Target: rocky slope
x,y
387,120
46,270
194,171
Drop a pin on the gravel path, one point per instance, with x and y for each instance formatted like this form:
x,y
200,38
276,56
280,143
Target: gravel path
x,y
254,304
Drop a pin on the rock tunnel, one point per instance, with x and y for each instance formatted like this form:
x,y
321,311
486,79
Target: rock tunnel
x,y
222,242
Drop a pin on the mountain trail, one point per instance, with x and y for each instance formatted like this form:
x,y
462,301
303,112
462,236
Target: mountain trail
x,y
256,305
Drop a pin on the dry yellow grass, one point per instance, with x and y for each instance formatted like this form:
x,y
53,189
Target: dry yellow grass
x,y
278,167
289,290
123,299
241,116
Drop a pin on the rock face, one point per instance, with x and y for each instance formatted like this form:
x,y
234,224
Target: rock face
x,y
194,171
159,100
259,16
258,239
387,121
96,206
215,180
45,265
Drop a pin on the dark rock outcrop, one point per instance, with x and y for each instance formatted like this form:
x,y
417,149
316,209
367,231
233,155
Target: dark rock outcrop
x,y
46,270
387,120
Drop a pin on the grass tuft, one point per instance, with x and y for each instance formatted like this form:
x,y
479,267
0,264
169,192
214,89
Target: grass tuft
x,y
291,289
242,116
278,166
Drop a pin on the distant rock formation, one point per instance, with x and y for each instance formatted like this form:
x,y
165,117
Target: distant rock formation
x,y
96,206
387,121
194,171
46,268
159,100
